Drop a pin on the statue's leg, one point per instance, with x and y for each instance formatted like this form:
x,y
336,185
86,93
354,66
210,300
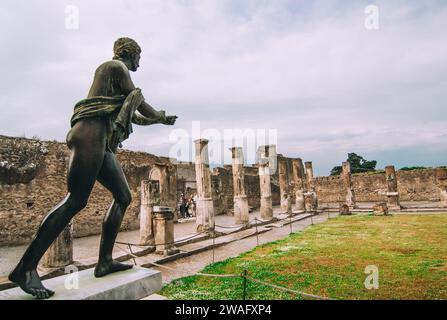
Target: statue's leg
x,y
85,163
112,177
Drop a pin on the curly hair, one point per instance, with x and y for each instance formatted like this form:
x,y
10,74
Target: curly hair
x,y
125,47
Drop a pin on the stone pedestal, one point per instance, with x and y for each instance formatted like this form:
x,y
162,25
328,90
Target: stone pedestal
x,y
164,230
205,214
266,192
284,187
241,210
286,204
240,198
344,210
267,165
392,194
298,177
380,209
309,176
266,208
132,284
310,197
149,198
441,178
346,175
60,253
205,207
299,201
310,202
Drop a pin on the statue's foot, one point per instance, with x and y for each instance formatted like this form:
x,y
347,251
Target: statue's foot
x,y
29,281
104,268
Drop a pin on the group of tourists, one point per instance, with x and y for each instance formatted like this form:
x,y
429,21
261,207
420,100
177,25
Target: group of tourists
x,y
187,206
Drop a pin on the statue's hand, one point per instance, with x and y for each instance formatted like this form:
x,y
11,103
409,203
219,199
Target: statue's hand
x,y
170,120
167,120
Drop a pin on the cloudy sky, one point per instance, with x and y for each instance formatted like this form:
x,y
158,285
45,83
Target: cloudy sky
x,y
310,70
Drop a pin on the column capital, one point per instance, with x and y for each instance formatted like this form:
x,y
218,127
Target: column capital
x,y
201,141
237,154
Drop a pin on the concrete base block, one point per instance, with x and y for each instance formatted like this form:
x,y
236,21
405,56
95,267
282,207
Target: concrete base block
x,y
241,210
266,208
299,202
205,214
443,198
133,284
168,252
286,205
344,210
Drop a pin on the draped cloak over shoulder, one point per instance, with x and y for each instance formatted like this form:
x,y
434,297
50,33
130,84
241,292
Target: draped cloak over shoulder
x,y
120,112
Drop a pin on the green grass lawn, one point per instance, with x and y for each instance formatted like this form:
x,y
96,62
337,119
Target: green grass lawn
x,y
329,260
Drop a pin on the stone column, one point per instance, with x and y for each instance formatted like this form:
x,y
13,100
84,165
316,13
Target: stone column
x,y
166,175
346,175
266,191
392,194
240,197
441,178
164,230
310,197
149,197
298,182
267,163
205,208
172,197
60,253
286,200
309,176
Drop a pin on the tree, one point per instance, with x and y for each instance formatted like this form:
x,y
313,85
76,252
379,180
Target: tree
x,y
358,165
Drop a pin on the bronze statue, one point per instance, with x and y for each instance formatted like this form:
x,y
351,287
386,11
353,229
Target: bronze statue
x,y
98,126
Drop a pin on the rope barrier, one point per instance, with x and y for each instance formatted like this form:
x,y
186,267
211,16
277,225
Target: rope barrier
x,y
244,275
257,233
229,227
161,244
200,233
288,290
186,272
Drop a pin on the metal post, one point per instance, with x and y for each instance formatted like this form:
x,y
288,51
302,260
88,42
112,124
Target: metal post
x,y
291,230
130,249
257,236
214,242
244,275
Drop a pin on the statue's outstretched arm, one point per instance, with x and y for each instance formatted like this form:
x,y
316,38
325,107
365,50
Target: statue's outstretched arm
x,y
141,120
145,109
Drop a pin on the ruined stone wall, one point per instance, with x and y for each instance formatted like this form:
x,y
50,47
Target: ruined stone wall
x,y
186,171
415,185
33,180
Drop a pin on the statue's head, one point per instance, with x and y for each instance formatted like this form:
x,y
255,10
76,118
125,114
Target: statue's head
x,y
128,51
